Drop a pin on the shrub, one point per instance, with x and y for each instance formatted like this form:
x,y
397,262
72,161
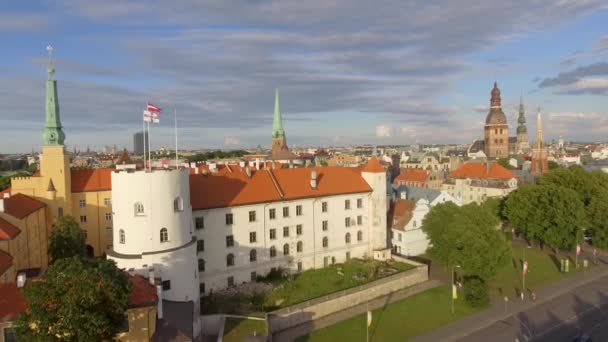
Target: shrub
x,y
476,292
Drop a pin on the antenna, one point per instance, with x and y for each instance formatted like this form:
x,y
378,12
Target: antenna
x,y
175,119
49,49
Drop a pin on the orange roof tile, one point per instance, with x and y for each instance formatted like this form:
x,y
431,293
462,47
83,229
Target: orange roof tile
x,y
12,301
401,213
7,230
20,205
482,171
412,175
143,293
91,180
373,165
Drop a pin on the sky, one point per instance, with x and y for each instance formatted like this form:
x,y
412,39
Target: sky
x,y
348,71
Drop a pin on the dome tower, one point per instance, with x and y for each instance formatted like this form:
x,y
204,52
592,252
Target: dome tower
x,y
496,130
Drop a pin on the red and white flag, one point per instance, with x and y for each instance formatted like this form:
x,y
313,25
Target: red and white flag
x,y
151,117
525,270
578,249
152,108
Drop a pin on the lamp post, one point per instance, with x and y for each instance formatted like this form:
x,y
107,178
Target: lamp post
x,y
576,250
452,289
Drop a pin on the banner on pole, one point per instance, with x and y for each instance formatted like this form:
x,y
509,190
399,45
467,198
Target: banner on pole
x,y
369,319
578,249
525,270
454,291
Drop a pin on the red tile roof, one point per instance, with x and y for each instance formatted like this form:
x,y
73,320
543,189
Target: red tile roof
x,y
232,189
20,205
412,175
7,230
482,171
143,293
91,180
12,302
373,165
401,213
6,261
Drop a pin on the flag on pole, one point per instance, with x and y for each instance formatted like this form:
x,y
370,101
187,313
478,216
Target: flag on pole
x,y
152,108
525,270
454,291
151,116
369,318
578,249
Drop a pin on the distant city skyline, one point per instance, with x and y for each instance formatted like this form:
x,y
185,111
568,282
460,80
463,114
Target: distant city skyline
x,y
349,73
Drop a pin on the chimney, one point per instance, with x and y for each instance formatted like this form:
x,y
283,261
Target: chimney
x,y
403,195
21,278
159,303
257,163
242,164
151,276
313,179
196,170
1,205
248,172
6,195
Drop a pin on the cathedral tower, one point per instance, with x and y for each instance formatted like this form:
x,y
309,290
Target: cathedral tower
x,y
540,164
496,130
522,131
280,151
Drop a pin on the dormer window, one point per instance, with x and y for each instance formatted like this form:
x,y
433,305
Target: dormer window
x,y
178,204
139,209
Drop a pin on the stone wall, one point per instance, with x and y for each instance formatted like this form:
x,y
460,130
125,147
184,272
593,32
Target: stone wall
x,y
316,308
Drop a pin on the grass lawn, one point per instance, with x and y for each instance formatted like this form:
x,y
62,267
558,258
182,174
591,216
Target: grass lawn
x,y
399,321
236,330
316,283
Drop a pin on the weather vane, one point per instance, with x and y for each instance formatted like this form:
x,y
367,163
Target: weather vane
x,y
49,49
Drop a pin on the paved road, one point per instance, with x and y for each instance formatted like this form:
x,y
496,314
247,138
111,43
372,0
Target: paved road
x,y
582,310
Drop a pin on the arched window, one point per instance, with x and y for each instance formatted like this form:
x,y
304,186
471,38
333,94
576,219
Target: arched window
x,y
121,236
253,255
299,247
325,242
230,260
286,249
359,235
178,204
164,235
273,252
201,265
347,238
139,208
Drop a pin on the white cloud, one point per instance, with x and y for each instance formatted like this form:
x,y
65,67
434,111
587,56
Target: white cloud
x,y
383,131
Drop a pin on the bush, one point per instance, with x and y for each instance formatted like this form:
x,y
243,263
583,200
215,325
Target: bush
x,y
476,292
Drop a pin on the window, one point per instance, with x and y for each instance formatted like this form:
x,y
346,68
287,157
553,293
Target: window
x,y
359,235
230,260
273,234
199,222
324,207
325,242
286,249
230,281
178,204
201,288
299,266
108,216
254,276
83,218
298,210
285,211
229,241
359,220
347,222
272,213
501,132
139,208
109,232
84,232
299,247
273,252
347,256
60,212
285,231
121,236
414,223
299,229
166,285
9,335
495,130
164,235
359,203
325,225
201,265
107,202
252,216
347,238
347,204
200,245
252,237
229,220
83,203
253,255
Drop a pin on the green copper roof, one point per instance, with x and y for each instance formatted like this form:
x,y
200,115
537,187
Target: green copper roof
x,y
277,123
53,134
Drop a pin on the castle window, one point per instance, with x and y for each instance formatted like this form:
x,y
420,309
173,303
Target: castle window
x,y
230,260
273,234
199,222
347,238
230,281
253,255
285,211
496,131
121,236
252,216
200,245
139,208
272,213
286,249
359,220
359,235
178,204
325,242
285,231
299,229
273,252
325,225
107,202
324,207
108,216
83,219
501,132
253,237
299,247
347,222
346,204
201,265
83,203
164,235
230,241
298,210
229,219
166,285
359,203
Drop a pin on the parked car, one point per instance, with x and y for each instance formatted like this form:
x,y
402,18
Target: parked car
x,y
588,236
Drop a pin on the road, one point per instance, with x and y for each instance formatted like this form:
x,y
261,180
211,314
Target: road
x,y
583,310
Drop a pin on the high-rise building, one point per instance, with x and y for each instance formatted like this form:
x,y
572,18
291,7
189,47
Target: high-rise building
x,y
139,140
496,130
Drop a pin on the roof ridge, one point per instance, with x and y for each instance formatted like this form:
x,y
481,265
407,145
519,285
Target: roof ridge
x,y
276,184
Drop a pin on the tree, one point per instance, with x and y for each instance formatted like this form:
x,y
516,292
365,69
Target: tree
x,y
476,292
67,239
553,165
598,219
75,301
586,184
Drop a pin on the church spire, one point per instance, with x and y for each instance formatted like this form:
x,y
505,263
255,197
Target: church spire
x,y
277,123
495,99
539,130
53,134
521,118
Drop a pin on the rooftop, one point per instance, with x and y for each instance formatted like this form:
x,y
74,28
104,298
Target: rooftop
x,y
7,230
91,180
20,205
482,170
412,175
12,302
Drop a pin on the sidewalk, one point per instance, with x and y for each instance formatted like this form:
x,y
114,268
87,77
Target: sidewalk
x,y
300,330
462,328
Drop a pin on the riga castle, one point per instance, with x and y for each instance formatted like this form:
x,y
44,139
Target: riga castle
x,y
196,229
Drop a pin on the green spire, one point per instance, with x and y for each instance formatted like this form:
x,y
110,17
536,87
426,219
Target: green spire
x,y
277,123
521,119
53,134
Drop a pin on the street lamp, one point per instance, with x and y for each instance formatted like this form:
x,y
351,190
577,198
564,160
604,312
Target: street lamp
x,y
452,289
576,249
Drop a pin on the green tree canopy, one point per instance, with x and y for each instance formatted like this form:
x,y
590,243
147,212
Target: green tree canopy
x,y
585,184
598,219
67,239
75,301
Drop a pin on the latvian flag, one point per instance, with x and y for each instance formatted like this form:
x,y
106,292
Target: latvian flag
x,y
151,113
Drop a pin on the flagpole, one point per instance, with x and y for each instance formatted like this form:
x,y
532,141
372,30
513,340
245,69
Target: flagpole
x,y
149,149
143,138
367,323
175,118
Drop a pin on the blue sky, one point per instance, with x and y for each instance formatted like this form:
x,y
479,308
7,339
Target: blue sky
x,y
349,72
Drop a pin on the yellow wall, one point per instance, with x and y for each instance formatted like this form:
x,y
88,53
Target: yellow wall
x,y
95,210
55,165
142,324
